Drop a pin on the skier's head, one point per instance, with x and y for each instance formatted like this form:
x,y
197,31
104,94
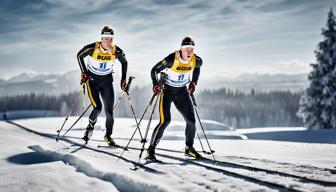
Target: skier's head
x,y
187,47
107,35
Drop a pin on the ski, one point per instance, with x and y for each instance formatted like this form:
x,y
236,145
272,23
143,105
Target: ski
x,y
111,146
157,162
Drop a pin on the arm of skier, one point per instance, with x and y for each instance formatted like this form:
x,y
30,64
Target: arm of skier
x,y
165,63
197,70
195,75
122,58
85,51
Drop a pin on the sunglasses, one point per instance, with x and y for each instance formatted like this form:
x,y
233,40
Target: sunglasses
x,y
107,38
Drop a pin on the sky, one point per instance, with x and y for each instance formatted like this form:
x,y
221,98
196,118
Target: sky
x,y
232,37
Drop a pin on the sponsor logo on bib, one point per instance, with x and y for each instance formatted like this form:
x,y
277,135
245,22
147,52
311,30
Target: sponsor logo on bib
x,y
179,68
104,57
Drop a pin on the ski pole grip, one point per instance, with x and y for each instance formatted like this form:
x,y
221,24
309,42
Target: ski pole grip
x,y
129,83
193,99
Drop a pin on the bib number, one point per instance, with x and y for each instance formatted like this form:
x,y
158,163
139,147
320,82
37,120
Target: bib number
x,y
102,65
180,77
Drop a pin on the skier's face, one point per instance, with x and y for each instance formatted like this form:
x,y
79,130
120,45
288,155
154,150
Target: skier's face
x,y
187,53
106,42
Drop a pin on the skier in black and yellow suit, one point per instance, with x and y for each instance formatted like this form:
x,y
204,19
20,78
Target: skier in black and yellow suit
x,y
178,66
97,75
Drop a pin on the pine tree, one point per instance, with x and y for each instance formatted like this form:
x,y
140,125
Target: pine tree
x,y
317,107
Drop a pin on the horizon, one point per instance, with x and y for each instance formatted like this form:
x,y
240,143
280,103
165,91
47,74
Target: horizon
x,y
34,73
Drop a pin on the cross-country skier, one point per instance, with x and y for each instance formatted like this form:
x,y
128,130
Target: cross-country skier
x,y
96,61
178,66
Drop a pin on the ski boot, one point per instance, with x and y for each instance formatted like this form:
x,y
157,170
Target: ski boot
x,y
151,154
109,141
191,152
88,133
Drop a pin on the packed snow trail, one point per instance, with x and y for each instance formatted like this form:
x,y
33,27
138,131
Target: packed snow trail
x,y
121,182
193,174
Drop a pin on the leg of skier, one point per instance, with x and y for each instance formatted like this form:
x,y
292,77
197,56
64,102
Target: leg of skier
x,y
107,94
185,107
93,92
165,117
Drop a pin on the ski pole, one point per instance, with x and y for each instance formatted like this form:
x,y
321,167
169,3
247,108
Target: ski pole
x,y
83,105
71,111
195,107
199,139
129,83
138,123
143,141
119,99
163,77
130,102
123,92
57,138
203,150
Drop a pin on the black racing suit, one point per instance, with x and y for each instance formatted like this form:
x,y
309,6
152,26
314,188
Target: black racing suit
x,y
180,97
101,84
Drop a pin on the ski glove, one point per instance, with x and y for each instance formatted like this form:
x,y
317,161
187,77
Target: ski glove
x,y
156,89
192,86
85,77
123,84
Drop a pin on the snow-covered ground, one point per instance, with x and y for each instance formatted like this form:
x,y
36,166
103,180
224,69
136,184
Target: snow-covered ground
x,y
32,160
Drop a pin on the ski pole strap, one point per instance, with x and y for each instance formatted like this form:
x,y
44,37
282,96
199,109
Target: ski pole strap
x,y
193,99
129,83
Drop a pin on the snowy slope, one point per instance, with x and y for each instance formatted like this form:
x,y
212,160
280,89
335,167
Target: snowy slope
x,y
31,160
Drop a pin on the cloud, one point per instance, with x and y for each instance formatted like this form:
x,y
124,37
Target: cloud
x,y
254,33
293,67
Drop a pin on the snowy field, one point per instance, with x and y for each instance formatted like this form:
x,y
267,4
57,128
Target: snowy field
x,y
271,159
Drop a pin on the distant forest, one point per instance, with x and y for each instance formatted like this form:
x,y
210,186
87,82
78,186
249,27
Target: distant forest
x,y
235,108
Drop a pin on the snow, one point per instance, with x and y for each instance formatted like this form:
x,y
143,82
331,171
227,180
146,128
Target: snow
x,y
36,162
24,170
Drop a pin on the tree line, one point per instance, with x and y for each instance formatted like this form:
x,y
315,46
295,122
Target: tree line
x,y
233,107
